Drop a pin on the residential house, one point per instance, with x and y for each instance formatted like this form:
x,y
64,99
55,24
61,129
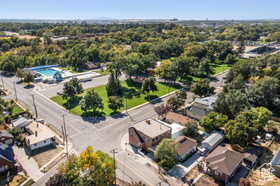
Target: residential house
x,y
20,122
212,141
275,162
6,137
148,134
40,136
6,158
176,129
172,117
222,163
92,65
201,107
184,147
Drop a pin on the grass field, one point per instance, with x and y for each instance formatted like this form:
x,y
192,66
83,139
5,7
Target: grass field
x,y
75,108
16,110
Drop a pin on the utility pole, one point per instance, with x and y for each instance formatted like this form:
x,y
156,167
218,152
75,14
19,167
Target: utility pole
x,y
65,135
2,83
35,108
15,90
114,152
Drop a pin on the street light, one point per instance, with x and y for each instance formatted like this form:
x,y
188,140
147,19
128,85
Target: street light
x,y
114,152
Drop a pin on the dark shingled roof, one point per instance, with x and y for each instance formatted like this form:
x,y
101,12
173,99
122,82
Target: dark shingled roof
x,y
184,144
224,160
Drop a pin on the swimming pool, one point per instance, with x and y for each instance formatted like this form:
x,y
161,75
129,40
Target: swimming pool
x,y
46,71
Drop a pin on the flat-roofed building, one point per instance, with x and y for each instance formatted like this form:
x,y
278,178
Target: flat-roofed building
x,y
148,134
40,136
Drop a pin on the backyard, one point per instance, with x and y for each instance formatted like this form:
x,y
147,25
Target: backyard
x,y
127,86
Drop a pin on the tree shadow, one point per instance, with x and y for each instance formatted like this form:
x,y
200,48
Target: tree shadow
x,y
96,114
72,103
94,120
132,83
117,115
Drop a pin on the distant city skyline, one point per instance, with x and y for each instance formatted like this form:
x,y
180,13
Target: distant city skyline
x,y
141,9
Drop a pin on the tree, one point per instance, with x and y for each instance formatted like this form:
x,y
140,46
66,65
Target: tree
x,y
115,103
91,101
20,74
113,86
230,59
247,125
28,78
90,168
166,154
202,88
213,121
71,89
161,110
56,180
174,103
167,71
231,103
191,129
148,85
265,92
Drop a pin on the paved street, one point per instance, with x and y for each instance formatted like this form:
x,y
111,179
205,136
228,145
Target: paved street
x,y
101,134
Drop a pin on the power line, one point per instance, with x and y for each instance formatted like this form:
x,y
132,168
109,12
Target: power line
x,y
35,107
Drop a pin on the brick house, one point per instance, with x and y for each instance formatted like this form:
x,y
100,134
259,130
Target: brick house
x,y
148,134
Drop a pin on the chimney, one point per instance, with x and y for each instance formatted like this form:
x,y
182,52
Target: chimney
x,y
148,121
36,133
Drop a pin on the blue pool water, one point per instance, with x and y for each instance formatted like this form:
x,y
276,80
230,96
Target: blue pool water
x,y
47,71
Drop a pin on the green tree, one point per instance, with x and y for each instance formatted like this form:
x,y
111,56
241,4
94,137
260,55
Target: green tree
x,y
20,74
149,85
71,89
202,88
113,86
28,78
191,129
213,121
247,125
231,103
115,103
174,103
91,101
166,154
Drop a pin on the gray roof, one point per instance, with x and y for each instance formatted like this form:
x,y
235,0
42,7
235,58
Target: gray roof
x,y
5,133
151,128
20,122
208,102
213,140
276,159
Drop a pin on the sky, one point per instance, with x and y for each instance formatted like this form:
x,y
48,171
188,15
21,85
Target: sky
x,y
140,9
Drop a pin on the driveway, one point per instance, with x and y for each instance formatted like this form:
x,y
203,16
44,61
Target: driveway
x,y
28,163
181,169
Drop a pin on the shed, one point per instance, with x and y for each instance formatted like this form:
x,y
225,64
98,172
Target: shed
x,y
213,140
20,122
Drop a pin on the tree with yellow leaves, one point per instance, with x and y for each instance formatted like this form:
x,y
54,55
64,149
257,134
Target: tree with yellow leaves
x,y
90,168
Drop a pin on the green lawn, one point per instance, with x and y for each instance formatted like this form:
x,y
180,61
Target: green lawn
x,y
220,68
103,72
75,108
17,110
